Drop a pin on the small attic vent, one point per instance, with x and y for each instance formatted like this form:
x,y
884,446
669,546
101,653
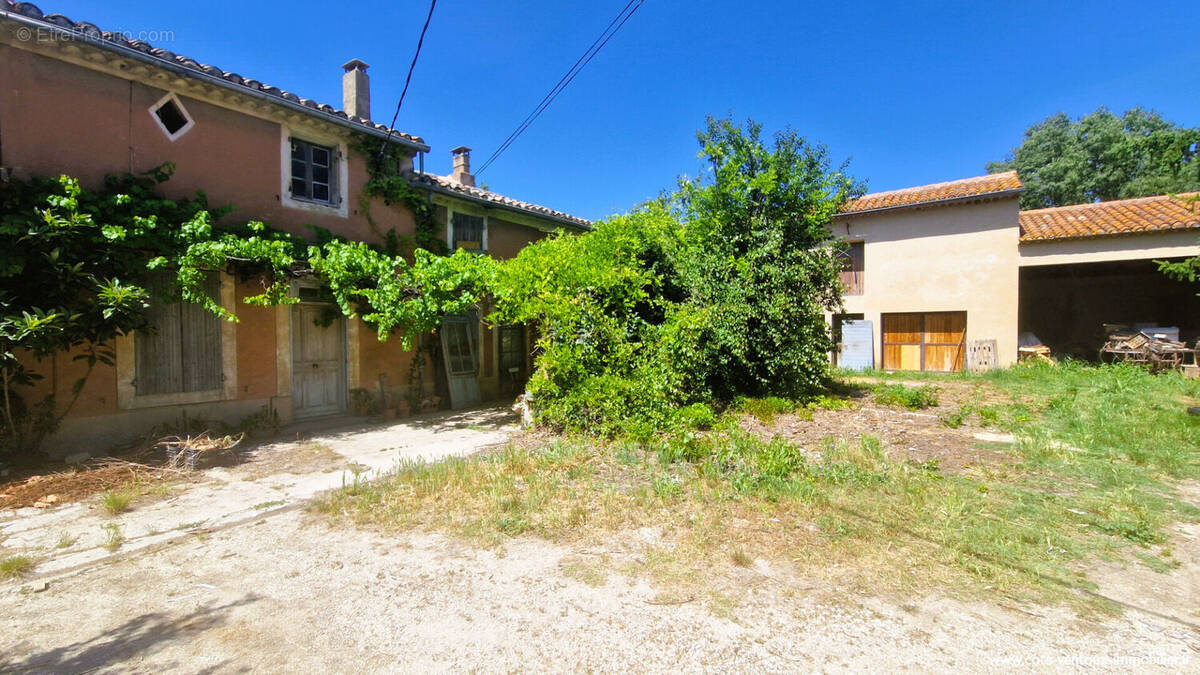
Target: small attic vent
x,y
171,116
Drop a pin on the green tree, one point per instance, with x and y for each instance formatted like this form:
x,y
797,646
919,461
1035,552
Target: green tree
x,y
760,267
714,292
1102,156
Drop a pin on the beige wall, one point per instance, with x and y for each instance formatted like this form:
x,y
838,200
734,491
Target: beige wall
x,y
1145,246
961,257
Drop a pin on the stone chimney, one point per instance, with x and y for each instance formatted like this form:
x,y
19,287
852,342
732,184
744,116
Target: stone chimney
x,y
356,89
462,166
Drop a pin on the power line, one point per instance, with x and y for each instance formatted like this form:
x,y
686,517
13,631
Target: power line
x,y
590,53
408,79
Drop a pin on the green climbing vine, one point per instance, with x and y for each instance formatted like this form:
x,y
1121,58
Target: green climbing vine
x,y
387,181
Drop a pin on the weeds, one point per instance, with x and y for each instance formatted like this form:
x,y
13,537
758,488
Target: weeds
x,y
16,566
66,540
112,536
900,396
117,501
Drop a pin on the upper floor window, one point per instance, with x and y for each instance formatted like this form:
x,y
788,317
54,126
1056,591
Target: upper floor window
x,y
852,268
313,172
469,232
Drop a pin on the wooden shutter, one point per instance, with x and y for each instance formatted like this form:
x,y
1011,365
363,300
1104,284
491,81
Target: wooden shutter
x,y
852,269
182,350
200,333
159,366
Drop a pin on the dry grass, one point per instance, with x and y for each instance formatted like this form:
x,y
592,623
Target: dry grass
x,y
848,515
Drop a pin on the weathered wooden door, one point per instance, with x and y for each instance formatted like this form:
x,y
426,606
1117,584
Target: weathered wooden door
x,y
462,359
318,362
924,341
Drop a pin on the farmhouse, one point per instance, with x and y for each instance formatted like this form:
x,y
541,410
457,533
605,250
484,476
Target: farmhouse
x,y
88,103
941,275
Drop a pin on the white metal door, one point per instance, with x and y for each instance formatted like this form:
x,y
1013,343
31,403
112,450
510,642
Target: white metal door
x,y
318,363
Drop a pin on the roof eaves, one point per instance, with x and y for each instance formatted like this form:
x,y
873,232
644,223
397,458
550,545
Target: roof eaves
x,y
428,182
97,38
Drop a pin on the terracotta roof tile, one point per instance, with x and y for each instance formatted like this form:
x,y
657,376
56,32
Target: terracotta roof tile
x,y
114,40
979,186
1101,219
448,186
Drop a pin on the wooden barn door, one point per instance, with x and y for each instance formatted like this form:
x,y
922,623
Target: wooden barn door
x,y
925,341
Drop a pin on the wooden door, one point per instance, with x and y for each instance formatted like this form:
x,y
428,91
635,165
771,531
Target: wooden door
x,y
924,341
318,362
462,359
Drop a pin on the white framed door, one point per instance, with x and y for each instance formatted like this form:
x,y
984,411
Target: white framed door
x,y
318,362
460,353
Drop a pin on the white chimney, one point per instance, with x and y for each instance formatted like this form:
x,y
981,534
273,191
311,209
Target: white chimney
x,y
462,166
356,89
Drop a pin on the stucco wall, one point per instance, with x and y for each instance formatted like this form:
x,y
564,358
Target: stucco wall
x,y
961,257
1144,246
57,117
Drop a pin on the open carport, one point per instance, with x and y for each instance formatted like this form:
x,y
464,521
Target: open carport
x,y
1087,265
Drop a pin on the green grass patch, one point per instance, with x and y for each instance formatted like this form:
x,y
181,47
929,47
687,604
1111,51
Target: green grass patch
x,y
115,502
16,566
901,396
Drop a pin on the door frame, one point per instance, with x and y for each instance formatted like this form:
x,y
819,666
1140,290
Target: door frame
x,y
884,343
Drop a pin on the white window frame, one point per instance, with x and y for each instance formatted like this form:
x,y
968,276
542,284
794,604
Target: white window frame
x,y
171,97
450,211
339,204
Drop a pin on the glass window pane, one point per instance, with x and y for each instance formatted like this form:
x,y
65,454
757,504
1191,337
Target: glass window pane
x,y
298,152
320,192
320,174
299,188
299,169
320,156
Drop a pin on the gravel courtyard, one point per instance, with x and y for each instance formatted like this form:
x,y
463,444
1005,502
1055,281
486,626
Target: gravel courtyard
x,y
280,589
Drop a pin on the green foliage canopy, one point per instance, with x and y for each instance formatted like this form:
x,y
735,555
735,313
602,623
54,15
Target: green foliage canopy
x,y
716,291
1103,156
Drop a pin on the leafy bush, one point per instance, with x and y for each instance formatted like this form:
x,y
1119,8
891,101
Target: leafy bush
x,y
713,293
900,396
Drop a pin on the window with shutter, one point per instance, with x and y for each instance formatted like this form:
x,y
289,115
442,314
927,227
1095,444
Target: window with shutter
x,y
852,268
181,352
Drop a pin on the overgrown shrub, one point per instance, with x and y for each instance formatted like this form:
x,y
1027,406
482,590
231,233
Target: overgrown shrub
x,y
713,293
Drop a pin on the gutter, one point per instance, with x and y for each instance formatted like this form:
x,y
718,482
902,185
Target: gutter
x,y
149,59
939,202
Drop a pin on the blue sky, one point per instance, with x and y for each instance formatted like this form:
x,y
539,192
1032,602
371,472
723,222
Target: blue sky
x,y
910,92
